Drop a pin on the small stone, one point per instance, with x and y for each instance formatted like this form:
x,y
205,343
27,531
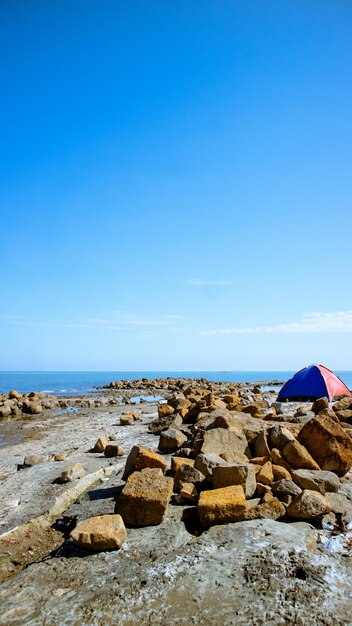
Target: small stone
x,y
189,492
281,473
113,449
104,532
61,456
33,459
101,444
265,476
308,505
221,506
71,473
127,419
113,437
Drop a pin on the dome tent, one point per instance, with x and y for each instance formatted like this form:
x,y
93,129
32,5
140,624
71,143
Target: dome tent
x,y
314,381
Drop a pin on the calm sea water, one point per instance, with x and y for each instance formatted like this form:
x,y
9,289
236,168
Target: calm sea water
x,y
70,383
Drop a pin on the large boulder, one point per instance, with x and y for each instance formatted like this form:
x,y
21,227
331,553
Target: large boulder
x,y
235,474
221,506
316,480
140,457
328,443
308,505
145,498
163,423
298,456
104,532
223,441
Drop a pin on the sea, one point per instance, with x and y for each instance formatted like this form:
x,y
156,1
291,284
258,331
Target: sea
x,y
86,383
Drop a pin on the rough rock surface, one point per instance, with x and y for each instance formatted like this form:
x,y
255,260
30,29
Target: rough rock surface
x,y
309,504
104,532
221,506
144,498
328,444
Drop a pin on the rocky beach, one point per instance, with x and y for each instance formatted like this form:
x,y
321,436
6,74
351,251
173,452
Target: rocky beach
x,y
175,501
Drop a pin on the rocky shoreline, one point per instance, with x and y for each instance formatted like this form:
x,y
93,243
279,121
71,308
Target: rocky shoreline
x,y
214,505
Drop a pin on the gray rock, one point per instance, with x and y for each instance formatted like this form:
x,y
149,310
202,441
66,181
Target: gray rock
x,y
317,480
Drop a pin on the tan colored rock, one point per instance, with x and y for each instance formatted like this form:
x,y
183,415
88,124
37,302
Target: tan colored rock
x,y
262,490
343,404
221,506
104,532
259,460
140,457
328,443
145,498
271,508
62,456
101,444
177,461
164,410
34,459
5,411
308,505
298,456
225,440
320,404
171,440
127,419
71,473
265,476
14,395
235,474
278,459
281,473
189,492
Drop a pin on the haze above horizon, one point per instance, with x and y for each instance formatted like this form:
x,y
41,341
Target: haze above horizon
x,y
175,185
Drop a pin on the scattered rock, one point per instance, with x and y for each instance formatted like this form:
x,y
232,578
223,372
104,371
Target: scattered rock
x,y
113,449
71,473
104,532
101,444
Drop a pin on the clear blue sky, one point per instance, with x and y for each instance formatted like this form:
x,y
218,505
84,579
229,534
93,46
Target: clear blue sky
x,y
175,184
